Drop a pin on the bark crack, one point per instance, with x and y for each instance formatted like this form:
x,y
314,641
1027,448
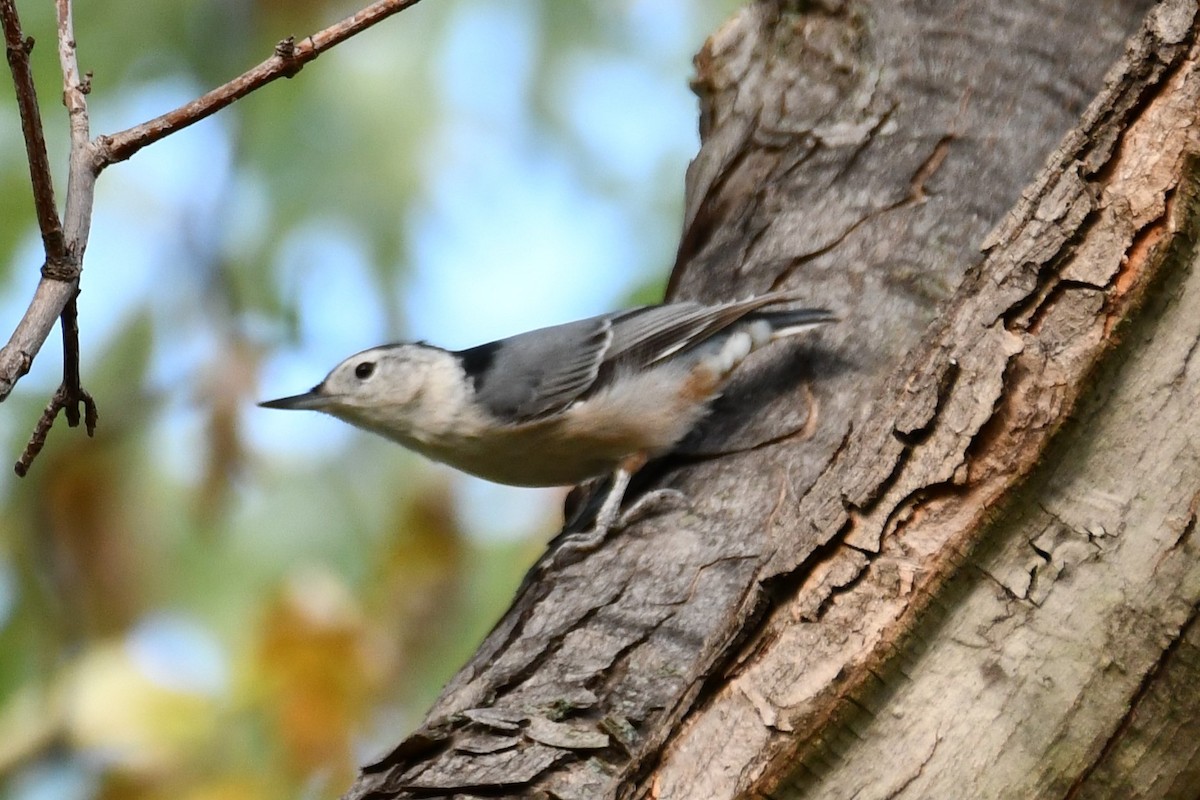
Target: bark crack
x,y
1147,684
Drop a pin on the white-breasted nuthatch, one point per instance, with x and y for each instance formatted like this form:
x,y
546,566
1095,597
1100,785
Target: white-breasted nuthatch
x,y
558,405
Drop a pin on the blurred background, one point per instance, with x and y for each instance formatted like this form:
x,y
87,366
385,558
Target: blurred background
x,y
211,600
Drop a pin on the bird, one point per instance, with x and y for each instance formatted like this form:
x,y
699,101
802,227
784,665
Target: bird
x,y
563,404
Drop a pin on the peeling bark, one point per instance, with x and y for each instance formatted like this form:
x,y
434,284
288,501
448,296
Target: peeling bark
x,y
950,566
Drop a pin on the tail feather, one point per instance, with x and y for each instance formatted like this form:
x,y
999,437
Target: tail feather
x,y
791,322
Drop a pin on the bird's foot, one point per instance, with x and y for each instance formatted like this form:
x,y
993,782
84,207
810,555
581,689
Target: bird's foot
x,y
573,546
652,504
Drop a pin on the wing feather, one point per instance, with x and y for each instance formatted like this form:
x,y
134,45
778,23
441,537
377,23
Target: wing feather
x,y
540,373
644,336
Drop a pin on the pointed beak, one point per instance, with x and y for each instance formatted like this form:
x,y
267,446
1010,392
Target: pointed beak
x,y
313,400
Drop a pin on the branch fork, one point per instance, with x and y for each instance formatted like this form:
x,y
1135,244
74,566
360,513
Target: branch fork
x,y
65,240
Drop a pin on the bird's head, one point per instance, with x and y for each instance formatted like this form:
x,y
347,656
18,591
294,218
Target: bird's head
x,y
383,389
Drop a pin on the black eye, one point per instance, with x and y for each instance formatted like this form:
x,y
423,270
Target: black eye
x,y
364,370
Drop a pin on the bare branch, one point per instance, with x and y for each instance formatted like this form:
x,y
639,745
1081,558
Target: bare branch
x,y
71,384
74,90
63,268
84,166
17,48
289,58
38,440
61,271
68,397
66,242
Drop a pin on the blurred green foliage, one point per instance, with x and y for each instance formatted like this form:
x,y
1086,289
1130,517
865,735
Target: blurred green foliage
x,y
183,613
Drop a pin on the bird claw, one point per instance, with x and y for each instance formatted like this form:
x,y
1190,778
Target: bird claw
x,y
652,504
573,546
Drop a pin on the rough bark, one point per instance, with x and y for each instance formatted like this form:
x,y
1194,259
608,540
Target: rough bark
x,y
923,561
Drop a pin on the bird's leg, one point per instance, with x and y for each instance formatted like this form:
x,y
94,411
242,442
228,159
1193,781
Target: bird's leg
x,y
586,541
649,504
610,518
611,507
572,546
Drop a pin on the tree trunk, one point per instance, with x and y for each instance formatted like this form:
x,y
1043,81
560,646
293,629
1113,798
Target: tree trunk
x,y
926,561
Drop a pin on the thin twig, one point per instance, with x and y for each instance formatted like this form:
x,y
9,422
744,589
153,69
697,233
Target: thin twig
x,y
74,393
288,59
68,397
59,274
84,167
38,439
64,267
17,48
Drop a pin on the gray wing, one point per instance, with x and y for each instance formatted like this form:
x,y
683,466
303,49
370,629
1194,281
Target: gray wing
x,y
644,336
542,372
538,373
